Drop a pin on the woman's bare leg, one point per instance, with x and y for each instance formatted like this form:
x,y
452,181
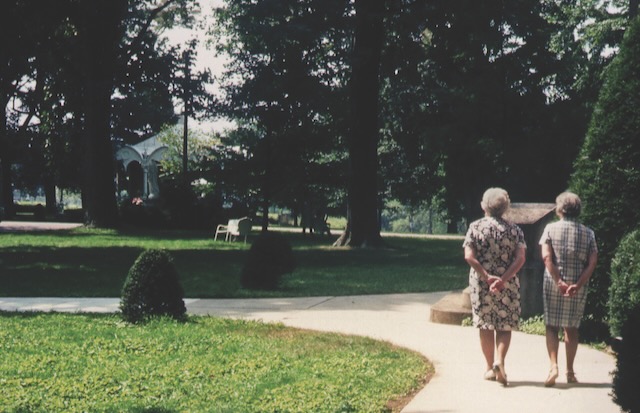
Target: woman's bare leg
x,y
571,338
487,343
553,343
503,340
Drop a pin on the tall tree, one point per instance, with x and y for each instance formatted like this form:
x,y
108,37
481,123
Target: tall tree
x,y
25,28
100,30
286,58
363,227
95,66
408,154
482,94
110,34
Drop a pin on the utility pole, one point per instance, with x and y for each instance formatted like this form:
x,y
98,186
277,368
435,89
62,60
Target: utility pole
x,y
186,98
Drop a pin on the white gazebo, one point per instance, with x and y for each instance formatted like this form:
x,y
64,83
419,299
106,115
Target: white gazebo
x,y
140,163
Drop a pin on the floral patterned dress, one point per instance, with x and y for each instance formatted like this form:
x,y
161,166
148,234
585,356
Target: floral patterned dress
x,y
495,242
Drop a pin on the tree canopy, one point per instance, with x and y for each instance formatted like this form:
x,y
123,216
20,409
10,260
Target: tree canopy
x,y
344,104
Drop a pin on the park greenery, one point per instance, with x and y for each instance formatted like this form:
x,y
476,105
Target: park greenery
x,y
205,364
152,289
607,170
95,263
624,293
455,97
395,112
104,364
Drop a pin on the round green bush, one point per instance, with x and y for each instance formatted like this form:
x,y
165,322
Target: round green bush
x,y
152,288
624,293
270,257
627,374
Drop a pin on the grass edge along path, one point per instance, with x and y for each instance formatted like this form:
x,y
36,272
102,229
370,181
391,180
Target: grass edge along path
x,y
63,362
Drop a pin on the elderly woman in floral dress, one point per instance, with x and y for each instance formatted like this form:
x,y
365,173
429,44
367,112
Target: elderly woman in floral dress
x,y
495,250
570,255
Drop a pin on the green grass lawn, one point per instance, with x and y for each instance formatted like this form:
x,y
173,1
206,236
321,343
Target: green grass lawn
x,y
63,362
94,263
96,363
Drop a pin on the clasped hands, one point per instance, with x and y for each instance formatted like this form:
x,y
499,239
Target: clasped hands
x,y
567,290
496,284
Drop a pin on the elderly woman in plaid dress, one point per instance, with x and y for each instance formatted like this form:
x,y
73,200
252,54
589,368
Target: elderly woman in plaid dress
x,y
495,250
570,256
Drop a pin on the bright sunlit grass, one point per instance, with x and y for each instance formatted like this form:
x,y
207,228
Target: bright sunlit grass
x,y
75,363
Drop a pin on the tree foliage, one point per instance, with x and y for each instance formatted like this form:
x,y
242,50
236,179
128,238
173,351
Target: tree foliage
x,y
284,82
627,373
470,95
91,72
30,30
607,170
624,293
489,93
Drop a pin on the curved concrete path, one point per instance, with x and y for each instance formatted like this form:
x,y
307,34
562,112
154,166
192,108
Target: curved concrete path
x,y
402,319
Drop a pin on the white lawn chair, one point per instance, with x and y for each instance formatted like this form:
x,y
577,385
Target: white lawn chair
x,y
234,229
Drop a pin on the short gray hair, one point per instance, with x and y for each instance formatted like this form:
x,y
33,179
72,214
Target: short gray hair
x,y
568,204
495,202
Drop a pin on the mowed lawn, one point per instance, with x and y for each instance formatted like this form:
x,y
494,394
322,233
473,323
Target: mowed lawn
x,y
97,363
95,263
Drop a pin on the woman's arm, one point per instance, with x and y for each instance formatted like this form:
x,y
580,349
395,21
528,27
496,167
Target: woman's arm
x,y
552,268
585,275
472,260
516,264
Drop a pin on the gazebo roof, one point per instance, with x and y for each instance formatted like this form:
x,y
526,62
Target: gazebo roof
x,y
148,146
148,150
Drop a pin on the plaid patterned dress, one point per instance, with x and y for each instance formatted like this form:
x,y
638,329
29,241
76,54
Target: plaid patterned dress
x,y
494,242
572,243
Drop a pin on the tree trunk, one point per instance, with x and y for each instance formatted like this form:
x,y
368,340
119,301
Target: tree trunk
x,y
50,195
100,33
266,180
362,217
633,9
6,191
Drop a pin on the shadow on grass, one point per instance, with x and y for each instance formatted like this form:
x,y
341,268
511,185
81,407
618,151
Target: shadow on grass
x,y
209,269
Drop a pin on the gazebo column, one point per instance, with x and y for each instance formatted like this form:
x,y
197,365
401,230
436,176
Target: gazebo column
x,y
145,181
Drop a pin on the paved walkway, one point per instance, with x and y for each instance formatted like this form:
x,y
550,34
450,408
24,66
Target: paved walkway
x,y
402,319
21,226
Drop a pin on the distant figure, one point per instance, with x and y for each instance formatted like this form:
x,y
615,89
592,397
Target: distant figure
x,y
570,255
495,251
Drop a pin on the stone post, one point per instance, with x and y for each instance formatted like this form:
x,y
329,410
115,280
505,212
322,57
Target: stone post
x,y
532,218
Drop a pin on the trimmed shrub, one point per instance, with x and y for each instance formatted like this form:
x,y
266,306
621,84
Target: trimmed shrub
x,y
152,288
627,374
606,172
624,293
270,257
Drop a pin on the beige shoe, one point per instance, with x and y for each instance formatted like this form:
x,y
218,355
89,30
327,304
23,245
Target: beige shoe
x,y
551,378
489,375
501,376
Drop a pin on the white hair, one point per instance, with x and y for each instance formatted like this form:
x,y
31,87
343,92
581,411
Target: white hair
x,y
495,202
